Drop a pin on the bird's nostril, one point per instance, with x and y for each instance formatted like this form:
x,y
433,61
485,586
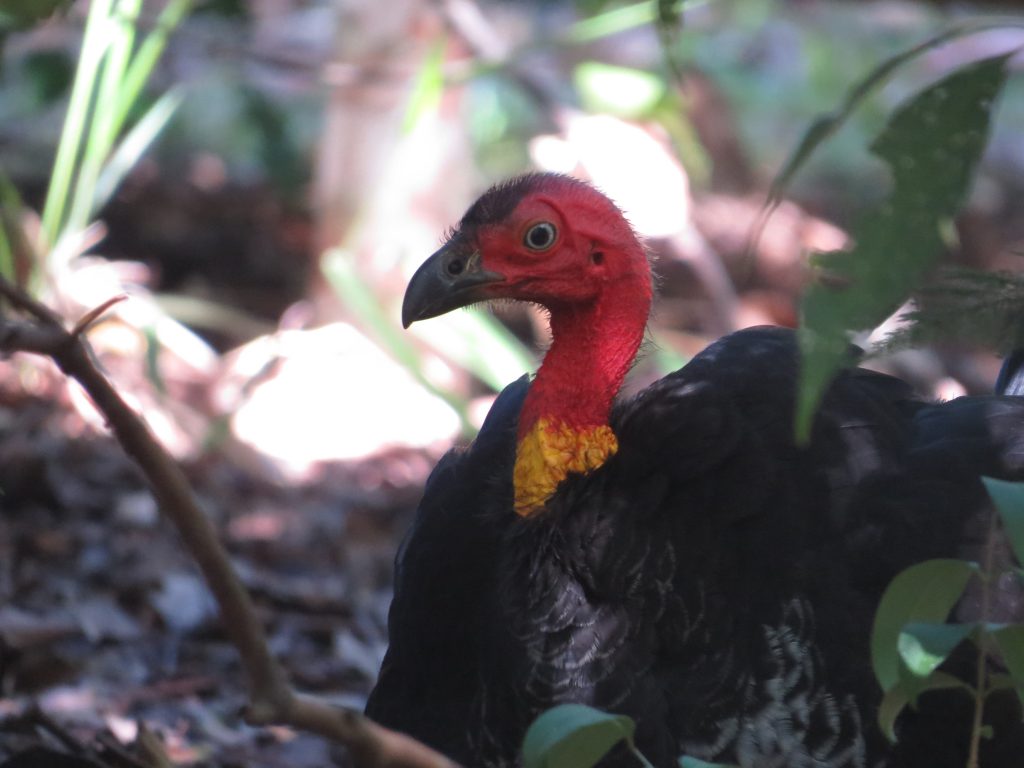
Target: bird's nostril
x,y
455,267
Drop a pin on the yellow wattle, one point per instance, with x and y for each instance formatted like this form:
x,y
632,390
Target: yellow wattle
x,y
549,452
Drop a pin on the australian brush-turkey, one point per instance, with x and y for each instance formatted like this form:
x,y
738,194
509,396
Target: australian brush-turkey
x,y
676,557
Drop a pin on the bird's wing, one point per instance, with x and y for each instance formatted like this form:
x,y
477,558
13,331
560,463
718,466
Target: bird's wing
x,y
716,580
682,582
444,574
713,579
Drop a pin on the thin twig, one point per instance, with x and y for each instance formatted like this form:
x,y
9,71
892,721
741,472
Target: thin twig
x,y
37,716
86,321
271,698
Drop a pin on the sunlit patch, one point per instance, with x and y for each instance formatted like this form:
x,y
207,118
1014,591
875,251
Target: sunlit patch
x,y
284,391
549,452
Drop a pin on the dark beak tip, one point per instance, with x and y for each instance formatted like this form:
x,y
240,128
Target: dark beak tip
x,y
434,289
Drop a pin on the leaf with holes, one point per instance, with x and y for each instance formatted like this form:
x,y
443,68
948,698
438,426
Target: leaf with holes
x,y
826,125
574,736
925,592
931,145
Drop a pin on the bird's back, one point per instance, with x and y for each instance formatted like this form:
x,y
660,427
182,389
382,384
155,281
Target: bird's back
x,y
713,580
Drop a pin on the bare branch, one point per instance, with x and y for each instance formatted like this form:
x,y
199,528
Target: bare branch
x,y
22,337
271,698
21,300
90,317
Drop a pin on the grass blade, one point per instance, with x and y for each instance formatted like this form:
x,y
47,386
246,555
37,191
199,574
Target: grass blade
x,y
133,146
145,59
94,46
103,127
358,298
625,18
428,88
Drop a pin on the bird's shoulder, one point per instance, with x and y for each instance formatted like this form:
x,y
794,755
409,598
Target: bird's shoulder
x,y
468,494
710,479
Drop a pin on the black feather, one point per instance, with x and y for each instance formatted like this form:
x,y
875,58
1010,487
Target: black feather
x,y
713,580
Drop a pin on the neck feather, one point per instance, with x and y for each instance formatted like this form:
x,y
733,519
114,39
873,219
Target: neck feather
x,y
563,426
591,352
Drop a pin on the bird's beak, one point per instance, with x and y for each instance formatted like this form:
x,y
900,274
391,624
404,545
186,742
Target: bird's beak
x,y
449,279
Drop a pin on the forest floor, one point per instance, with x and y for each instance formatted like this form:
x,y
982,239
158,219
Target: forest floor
x,y
107,631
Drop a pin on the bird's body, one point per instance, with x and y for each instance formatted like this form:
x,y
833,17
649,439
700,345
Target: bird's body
x,y
703,574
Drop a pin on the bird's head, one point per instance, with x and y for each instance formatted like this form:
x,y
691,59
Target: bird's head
x,y
558,242
541,238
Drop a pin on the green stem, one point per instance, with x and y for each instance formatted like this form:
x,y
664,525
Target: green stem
x,y
981,675
640,756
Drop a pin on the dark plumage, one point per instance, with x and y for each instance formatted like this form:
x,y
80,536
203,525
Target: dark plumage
x,y
710,579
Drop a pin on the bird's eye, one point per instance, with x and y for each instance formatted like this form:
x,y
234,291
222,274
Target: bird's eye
x,y
540,236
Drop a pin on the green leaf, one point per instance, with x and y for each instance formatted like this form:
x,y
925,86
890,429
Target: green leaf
x,y
1011,646
896,699
132,147
428,88
925,592
924,645
147,56
931,145
574,736
95,42
103,129
153,348
108,82
618,90
999,682
612,22
826,125
12,235
693,762
1009,500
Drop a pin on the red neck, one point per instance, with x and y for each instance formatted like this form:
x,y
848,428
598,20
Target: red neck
x,y
592,349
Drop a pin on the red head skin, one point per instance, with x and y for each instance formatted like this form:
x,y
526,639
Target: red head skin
x,y
594,280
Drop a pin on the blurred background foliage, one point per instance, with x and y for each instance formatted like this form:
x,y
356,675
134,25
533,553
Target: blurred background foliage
x,y
289,162
261,178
